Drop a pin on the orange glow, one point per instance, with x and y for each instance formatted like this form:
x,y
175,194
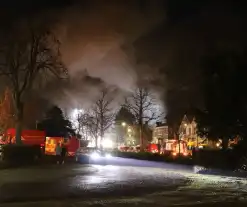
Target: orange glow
x,y
50,144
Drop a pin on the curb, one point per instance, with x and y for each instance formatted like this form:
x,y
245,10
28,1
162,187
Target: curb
x,y
213,171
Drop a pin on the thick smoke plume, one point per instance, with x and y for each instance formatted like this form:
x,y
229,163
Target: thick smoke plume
x,y
98,37
122,43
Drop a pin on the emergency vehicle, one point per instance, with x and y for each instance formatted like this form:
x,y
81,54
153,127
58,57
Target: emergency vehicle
x,y
28,137
72,144
37,137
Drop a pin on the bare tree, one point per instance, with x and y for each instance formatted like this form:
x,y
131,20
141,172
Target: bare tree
x,y
26,54
85,126
142,104
76,122
93,124
105,112
100,116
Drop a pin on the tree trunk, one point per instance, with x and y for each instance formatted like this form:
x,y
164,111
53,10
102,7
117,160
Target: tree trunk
x,y
18,124
140,121
225,143
18,129
141,139
101,138
96,142
101,127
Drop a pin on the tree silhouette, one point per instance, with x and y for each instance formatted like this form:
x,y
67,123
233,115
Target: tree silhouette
x,y
142,104
88,126
25,58
55,125
99,118
225,114
124,115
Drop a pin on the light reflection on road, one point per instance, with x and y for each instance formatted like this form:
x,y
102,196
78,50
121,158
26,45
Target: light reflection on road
x,y
145,181
189,187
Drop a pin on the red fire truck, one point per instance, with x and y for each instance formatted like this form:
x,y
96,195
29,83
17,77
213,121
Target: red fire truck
x,y
37,137
28,137
72,145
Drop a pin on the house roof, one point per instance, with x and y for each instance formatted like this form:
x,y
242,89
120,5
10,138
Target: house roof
x,y
160,124
188,118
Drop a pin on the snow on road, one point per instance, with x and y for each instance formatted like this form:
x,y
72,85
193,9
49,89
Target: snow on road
x,y
167,186
120,183
191,186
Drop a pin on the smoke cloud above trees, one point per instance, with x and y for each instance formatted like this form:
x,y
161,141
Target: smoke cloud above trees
x,y
123,43
97,42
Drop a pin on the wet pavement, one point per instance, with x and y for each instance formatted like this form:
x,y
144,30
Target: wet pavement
x,y
118,182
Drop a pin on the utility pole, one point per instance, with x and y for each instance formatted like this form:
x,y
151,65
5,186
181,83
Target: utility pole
x,y
141,137
141,119
179,145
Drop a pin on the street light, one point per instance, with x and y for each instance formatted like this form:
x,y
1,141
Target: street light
x,y
123,124
76,112
129,130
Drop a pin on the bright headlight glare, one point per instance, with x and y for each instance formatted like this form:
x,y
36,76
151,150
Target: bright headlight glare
x,y
108,155
95,155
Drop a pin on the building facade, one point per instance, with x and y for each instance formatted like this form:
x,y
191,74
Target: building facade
x,y
160,133
188,132
187,129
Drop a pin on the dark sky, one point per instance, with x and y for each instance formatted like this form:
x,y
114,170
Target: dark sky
x,y
191,32
124,42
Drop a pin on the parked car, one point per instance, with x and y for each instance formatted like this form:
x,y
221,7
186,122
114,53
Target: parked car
x,y
90,154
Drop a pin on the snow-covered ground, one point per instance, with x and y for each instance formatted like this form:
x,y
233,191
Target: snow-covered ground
x,y
120,185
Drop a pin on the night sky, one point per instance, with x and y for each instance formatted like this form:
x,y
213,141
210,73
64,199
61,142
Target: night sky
x,y
124,42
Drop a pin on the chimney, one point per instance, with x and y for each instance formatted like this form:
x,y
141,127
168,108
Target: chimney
x,y
158,124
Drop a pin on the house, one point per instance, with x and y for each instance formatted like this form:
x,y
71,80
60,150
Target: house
x,y
187,129
160,132
188,132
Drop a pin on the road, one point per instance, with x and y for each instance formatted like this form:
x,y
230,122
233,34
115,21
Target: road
x,y
119,182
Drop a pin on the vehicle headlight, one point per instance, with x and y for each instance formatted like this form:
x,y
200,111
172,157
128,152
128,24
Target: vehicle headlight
x,y
108,155
95,155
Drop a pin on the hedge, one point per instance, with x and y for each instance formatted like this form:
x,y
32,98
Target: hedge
x,y
21,154
155,157
217,159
